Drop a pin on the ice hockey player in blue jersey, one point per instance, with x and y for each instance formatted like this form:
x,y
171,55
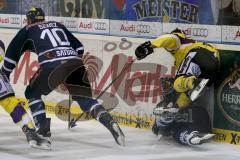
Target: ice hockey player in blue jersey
x,y
57,50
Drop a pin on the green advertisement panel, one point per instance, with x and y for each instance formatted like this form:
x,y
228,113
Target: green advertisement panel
x,y
226,121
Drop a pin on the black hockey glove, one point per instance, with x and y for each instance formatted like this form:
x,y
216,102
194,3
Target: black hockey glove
x,y
162,129
143,50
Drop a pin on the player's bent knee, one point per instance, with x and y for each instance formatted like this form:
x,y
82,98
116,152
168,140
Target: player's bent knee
x,y
30,94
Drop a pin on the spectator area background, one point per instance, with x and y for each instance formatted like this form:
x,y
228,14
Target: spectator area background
x,y
135,17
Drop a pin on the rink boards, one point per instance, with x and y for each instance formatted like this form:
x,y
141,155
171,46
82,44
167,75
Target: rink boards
x,y
138,90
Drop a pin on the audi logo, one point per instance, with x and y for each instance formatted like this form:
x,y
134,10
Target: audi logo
x,y
199,32
15,20
70,24
142,28
100,26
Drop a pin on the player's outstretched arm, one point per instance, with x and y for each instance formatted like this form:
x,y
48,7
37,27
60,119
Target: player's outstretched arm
x,y
170,42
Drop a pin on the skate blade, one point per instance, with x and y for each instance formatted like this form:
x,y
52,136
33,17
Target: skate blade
x,y
34,144
207,137
204,139
196,92
121,138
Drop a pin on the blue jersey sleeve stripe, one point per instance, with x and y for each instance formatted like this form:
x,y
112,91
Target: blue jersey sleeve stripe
x,y
10,60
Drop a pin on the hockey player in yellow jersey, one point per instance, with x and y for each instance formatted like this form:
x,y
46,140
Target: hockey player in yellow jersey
x,y
197,63
17,112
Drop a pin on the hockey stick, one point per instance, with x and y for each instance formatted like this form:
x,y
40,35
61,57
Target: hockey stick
x,y
72,123
195,93
69,111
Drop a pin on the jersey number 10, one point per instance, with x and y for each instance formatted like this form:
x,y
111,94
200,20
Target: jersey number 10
x,y
54,37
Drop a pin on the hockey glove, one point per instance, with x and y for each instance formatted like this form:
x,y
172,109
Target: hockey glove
x,y
143,50
163,123
161,129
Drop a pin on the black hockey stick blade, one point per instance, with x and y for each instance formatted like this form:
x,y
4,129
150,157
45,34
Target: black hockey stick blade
x,y
72,123
198,89
83,116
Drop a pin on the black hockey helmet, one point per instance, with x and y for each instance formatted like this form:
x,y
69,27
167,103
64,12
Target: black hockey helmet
x,y
179,33
35,15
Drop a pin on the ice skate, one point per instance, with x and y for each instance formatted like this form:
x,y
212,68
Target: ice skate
x,y
45,133
196,138
117,134
45,143
34,140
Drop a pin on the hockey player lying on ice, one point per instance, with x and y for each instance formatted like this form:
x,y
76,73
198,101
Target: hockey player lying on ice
x,y
189,125
11,104
197,65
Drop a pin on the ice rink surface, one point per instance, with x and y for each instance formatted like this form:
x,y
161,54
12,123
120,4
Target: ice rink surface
x,y
91,141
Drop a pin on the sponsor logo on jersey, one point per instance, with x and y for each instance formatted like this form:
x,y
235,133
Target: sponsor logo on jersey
x,y
66,52
196,70
228,100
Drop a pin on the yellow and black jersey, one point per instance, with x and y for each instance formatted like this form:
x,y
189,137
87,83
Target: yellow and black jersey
x,y
179,50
